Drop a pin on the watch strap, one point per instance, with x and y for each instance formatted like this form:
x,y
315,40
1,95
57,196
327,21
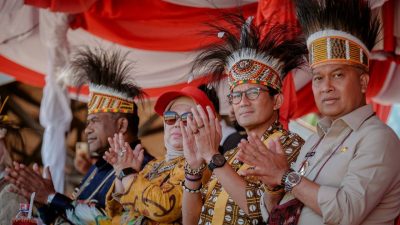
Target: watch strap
x,y
289,185
283,179
126,172
212,165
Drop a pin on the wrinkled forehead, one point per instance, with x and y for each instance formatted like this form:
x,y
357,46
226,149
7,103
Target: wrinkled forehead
x,y
103,116
181,102
334,67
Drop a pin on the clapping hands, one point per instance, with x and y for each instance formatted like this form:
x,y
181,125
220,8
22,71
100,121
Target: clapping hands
x,y
269,163
201,136
120,154
28,180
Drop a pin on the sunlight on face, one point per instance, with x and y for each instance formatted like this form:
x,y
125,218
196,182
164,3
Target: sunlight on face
x,y
99,127
172,133
253,113
338,89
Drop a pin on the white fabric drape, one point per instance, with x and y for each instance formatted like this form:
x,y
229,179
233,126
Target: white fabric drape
x,y
55,112
377,3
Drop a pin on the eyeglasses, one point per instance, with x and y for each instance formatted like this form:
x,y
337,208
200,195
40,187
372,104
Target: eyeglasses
x,y
251,94
170,117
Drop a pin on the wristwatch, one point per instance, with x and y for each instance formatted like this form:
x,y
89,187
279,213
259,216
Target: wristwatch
x,y
125,172
291,179
50,198
217,161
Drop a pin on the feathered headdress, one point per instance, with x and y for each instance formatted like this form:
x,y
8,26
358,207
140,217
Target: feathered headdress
x,y
108,74
247,56
338,31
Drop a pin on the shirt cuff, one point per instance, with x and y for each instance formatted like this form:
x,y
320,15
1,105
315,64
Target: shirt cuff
x,y
327,202
263,208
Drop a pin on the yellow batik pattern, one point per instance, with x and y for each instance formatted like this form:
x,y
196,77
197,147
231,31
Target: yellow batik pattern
x,y
154,198
220,209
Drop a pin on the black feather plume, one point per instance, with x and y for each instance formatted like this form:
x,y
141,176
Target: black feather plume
x,y
109,68
351,16
238,34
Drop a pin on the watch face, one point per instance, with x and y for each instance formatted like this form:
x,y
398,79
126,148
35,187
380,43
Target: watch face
x,y
218,160
293,178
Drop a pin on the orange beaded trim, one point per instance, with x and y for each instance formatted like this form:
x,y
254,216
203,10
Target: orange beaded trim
x,y
100,102
254,72
333,49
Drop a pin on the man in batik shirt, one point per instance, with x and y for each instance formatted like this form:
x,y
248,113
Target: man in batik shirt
x,y
348,171
255,66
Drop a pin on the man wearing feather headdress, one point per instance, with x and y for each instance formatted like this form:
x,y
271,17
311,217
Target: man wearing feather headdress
x,y
255,67
348,172
111,110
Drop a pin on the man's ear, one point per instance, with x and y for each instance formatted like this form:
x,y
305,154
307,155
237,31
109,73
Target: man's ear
x,y
364,80
278,101
122,123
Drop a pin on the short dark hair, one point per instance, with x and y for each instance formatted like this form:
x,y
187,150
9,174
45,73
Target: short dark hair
x,y
211,94
272,92
133,120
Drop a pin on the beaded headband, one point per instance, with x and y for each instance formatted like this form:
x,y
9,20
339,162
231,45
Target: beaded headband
x,y
333,46
248,66
105,99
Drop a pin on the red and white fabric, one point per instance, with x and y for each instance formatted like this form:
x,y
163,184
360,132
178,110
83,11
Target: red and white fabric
x,y
163,37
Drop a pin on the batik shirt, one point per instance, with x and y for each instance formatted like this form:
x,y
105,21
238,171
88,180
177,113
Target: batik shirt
x,y
220,209
154,198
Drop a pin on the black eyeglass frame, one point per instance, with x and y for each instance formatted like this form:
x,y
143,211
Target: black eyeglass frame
x,y
247,93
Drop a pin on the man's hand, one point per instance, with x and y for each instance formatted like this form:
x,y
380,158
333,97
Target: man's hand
x,y
121,156
269,162
30,180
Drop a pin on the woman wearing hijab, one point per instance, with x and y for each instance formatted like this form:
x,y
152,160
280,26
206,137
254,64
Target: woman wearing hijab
x,y
153,195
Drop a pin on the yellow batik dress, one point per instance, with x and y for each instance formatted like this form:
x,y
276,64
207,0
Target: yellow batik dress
x,y
154,198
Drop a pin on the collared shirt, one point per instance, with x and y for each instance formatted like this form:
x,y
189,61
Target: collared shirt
x,y
103,171
360,182
220,209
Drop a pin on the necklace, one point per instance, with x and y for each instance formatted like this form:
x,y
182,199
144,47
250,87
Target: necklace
x,y
161,167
